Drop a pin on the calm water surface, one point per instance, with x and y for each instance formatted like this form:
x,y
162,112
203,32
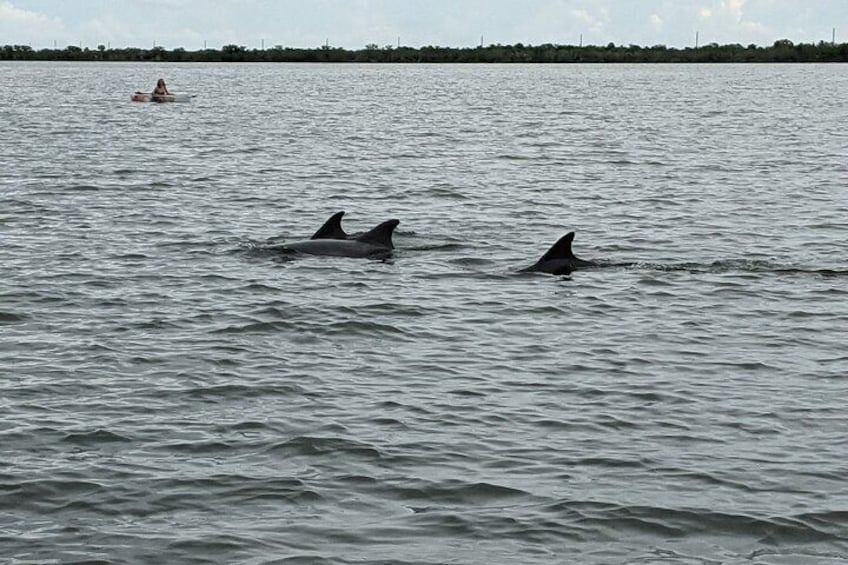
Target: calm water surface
x,y
172,393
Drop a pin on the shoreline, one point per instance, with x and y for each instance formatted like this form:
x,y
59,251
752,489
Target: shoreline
x,y
782,51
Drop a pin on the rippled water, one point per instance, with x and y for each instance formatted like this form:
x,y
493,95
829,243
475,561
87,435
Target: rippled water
x,y
170,392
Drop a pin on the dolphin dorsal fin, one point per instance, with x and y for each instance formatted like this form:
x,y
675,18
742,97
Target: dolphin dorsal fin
x,y
332,228
561,249
381,235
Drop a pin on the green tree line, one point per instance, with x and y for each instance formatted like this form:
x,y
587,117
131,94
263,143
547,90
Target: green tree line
x,y
782,51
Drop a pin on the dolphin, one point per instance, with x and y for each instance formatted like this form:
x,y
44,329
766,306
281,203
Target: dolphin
x,y
559,259
375,244
332,228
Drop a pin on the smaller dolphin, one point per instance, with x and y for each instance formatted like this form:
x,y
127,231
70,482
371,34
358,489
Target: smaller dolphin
x,y
559,259
332,228
375,244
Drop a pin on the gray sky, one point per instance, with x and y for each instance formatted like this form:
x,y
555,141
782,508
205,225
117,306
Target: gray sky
x,y
352,24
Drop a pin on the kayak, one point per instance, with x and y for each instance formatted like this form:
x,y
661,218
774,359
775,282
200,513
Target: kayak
x,y
146,97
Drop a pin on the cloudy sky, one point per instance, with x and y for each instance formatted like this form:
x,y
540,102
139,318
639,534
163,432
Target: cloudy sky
x,y
352,24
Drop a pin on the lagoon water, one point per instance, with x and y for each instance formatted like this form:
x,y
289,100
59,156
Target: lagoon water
x,y
172,393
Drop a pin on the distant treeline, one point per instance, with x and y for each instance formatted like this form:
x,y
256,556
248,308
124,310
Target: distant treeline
x,y
783,51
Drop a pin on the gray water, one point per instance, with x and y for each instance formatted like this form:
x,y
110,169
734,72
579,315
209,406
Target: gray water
x,y
171,392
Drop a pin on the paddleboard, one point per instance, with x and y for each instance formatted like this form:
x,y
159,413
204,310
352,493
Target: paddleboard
x,y
147,97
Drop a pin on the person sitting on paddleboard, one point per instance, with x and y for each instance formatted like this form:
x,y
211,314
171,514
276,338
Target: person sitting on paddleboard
x,y
161,89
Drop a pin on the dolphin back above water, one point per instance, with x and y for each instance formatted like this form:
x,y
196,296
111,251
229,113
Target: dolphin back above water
x,y
375,244
559,259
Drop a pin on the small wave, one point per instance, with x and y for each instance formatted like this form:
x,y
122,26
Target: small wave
x,y
390,422
471,262
263,288
254,327
11,318
799,555
515,157
236,391
457,492
84,188
199,447
154,324
246,426
438,247
820,272
131,257
730,266
57,491
467,393
313,445
94,438
360,327
450,193
678,522
208,545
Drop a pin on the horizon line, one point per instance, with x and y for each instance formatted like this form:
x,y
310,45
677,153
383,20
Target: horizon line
x,y
370,46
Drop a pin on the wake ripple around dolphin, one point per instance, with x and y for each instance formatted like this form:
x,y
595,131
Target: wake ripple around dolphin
x,y
732,266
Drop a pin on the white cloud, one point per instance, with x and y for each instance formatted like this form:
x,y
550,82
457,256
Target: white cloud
x,y
655,22
592,22
730,10
734,8
19,26
744,21
108,29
